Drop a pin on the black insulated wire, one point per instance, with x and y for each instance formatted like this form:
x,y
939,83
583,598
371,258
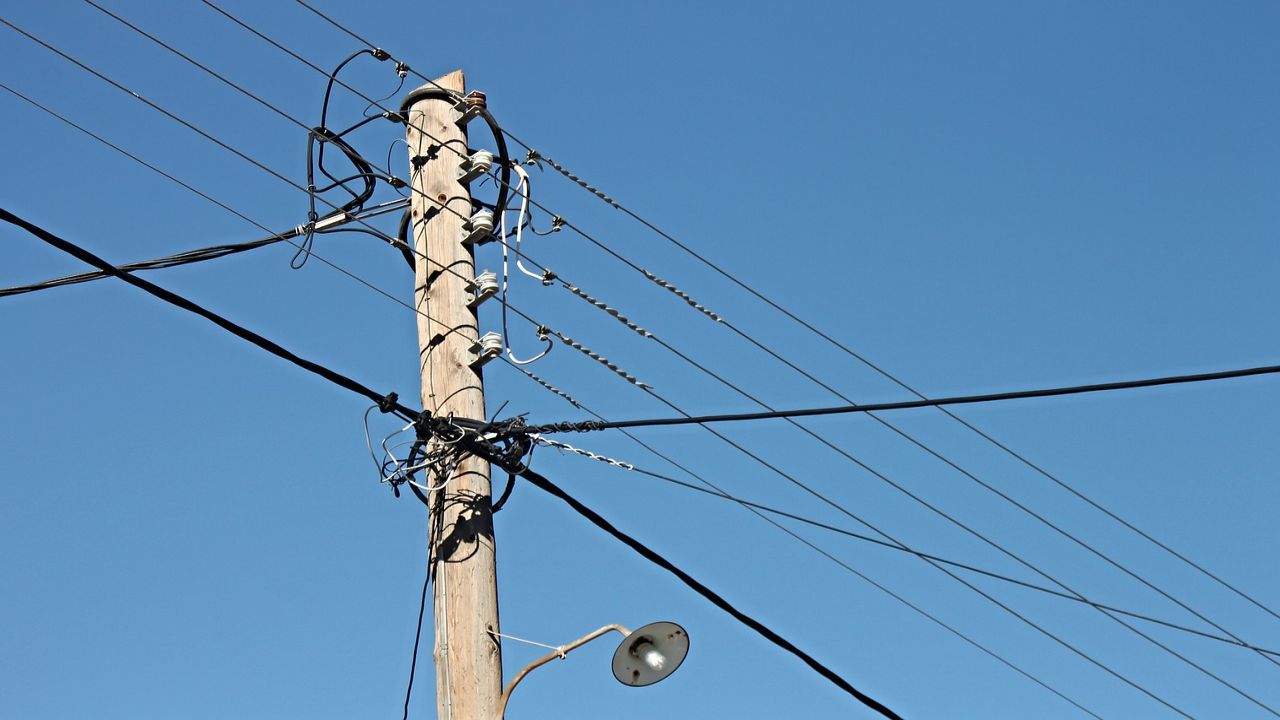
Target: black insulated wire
x,y
591,425
386,402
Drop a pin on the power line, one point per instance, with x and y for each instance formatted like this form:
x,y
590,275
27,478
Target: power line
x,y
535,155
720,492
215,201
652,556
590,425
122,89
187,257
179,301
716,492
936,454
978,535
881,371
387,403
699,307
649,275
837,506
910,438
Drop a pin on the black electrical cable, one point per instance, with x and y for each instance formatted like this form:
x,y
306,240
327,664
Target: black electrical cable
x,y
589,425
324,107
387,403
417,634
504,180
185,258
649,554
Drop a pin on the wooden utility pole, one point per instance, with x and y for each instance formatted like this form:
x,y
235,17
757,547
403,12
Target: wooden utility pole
x,y
468,657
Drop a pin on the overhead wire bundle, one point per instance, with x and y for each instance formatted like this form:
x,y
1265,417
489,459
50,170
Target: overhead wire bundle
x,y
365,177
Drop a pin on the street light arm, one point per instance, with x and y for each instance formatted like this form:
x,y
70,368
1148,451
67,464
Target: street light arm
x,y
560,652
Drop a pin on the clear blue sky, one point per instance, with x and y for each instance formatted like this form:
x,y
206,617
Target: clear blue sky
x,y
975,196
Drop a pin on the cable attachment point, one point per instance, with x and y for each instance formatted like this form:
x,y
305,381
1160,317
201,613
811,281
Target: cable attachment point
x,y
474,165
380,55
402,69
488,347
478,229
388,402
482,287
548,278
543,332
470,107
533,157
394,117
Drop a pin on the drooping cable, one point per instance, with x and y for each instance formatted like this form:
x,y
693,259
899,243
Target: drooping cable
x,y
187,257
522,189
388,402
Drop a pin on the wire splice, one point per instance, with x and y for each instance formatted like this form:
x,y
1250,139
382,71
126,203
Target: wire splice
x,y
610,311
601,359
682,295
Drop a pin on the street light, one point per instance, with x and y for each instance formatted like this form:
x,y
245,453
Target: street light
x,y
644,657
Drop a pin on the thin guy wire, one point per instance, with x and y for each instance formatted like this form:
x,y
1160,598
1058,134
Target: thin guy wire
x,y
721,494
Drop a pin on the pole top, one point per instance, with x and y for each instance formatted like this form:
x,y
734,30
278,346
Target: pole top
x,y
450,86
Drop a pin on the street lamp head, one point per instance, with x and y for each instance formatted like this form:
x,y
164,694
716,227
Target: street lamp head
x,y
650,654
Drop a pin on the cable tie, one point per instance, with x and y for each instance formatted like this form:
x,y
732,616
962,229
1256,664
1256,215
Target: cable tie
x,y
388,402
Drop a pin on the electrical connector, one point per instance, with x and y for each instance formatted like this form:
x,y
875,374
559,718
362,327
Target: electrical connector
x,y
478,228
488,347
474,165
481,288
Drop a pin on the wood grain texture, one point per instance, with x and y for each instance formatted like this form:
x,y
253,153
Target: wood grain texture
x,y
468,658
